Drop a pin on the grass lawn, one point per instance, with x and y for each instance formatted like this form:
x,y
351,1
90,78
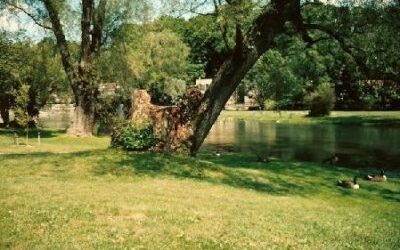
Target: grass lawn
x,y
381,118
74,193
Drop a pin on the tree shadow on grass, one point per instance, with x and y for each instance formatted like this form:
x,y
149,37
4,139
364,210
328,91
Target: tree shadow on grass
x,y
45,155
231,169
384,192
236,170
33,133
242,171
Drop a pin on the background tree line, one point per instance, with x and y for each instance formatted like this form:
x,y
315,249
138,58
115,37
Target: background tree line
x,y
353,48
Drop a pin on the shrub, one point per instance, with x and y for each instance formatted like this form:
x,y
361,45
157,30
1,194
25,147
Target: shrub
x,y
369,102
110,110
133,137
269,104
21,114
321,101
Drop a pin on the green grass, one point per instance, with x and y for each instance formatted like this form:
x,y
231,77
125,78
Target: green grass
x,y
55,141
380,118
74,193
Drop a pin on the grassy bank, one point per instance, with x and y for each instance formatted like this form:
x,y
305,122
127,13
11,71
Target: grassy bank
x,y
387,118
54,141
77,193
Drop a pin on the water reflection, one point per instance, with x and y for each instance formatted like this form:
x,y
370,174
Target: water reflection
x,y
57,118
356,146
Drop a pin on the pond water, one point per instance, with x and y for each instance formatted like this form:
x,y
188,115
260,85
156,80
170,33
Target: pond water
x,y
56,116
355,146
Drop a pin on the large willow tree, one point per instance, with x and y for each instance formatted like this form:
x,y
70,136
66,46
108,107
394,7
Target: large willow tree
x,y
98,18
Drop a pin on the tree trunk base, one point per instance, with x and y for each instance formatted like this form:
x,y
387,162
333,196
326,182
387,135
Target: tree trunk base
x,y
81,123
172,125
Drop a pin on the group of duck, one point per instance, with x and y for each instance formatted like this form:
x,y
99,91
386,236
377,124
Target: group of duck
x,y
353,184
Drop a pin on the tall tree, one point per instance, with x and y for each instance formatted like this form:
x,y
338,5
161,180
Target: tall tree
x,y
257,32
98,18
7,79
22,62
249,46
272,78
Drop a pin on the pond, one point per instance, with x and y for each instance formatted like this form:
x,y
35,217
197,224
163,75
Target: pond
x,y
355,146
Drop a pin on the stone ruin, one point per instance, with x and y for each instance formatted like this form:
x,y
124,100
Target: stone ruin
x,y
171,124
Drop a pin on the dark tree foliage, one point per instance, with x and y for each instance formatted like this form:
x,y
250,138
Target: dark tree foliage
x,y
350,44
35,65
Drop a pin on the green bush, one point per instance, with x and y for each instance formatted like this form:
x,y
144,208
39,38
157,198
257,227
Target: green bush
x,y
369,102
321,101
133,137
269,104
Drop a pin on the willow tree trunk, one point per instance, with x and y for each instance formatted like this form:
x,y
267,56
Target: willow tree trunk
x,y
82,119
248,49
223,86
85,93
81,123
82,77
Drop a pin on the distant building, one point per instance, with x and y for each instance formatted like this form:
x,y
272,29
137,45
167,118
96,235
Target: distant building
x,y
203,84
234,101
108,88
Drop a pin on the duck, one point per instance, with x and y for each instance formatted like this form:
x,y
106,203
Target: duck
x,y
262,159
331,160
349,184
377,178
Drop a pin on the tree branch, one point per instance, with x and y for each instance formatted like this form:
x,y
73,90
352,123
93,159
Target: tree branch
x,y
314,41
193,9
86,20
98,25
298,22
342,43
60,38
239,38
33,18
315,3
223,27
